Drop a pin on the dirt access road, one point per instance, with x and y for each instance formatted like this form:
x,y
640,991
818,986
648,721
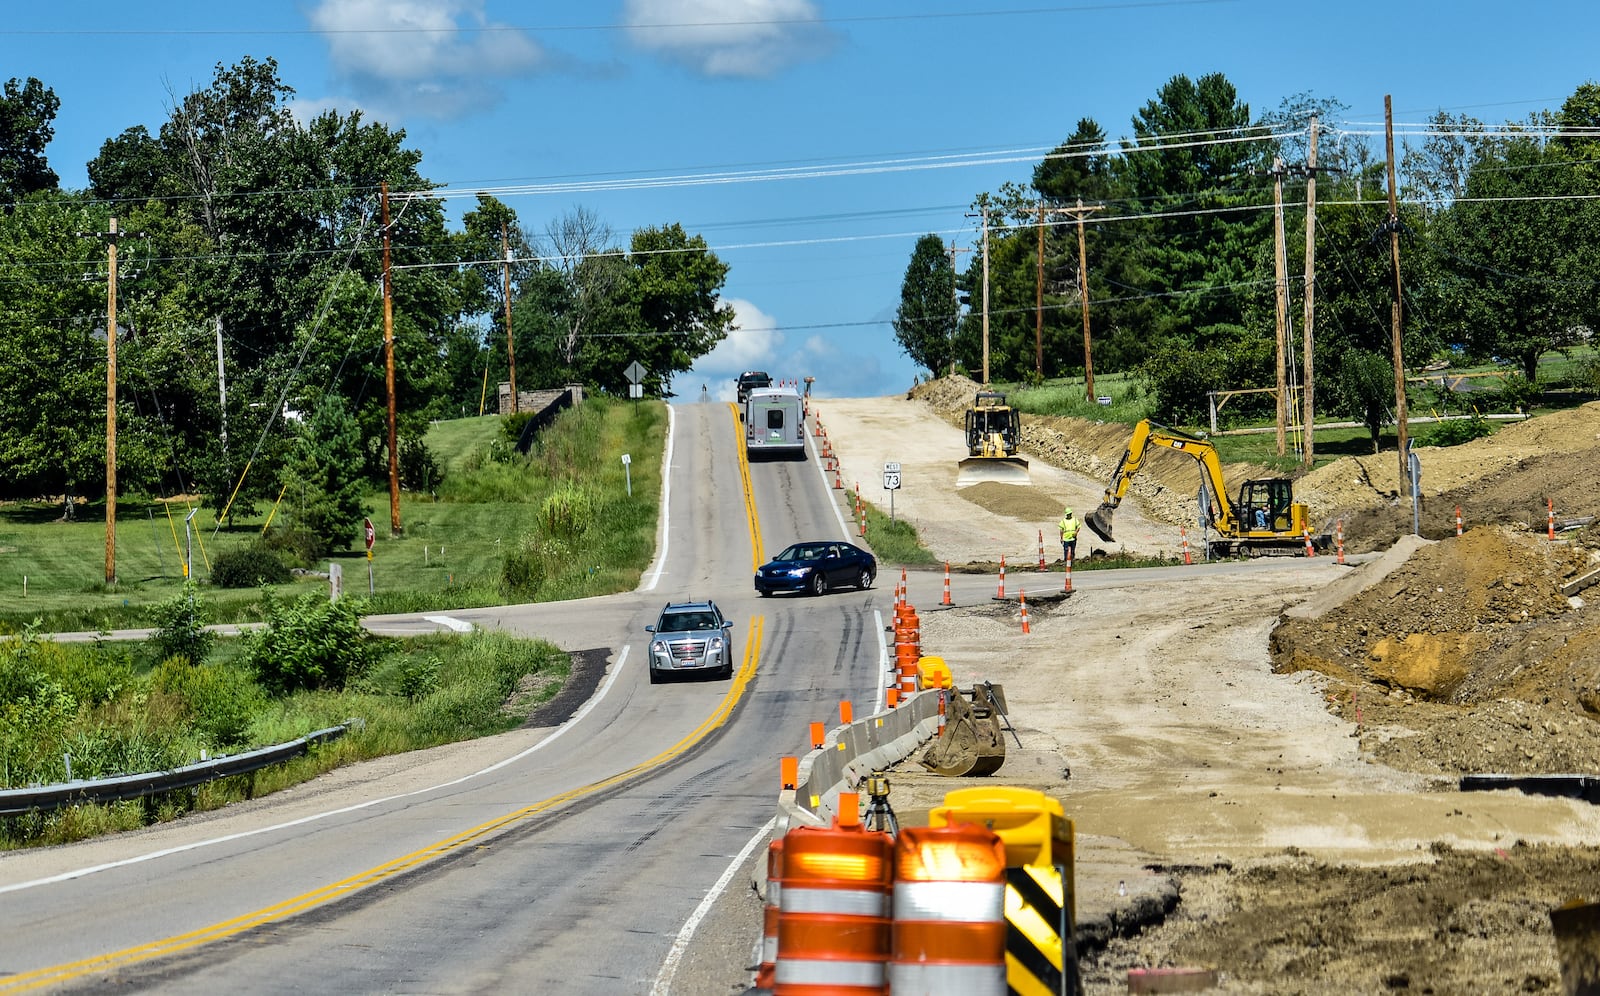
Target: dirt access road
x,y
1285,740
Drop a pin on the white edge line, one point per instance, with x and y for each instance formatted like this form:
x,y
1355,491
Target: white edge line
x,y
883,662
195,845
654,574
827,488
680,944
450,622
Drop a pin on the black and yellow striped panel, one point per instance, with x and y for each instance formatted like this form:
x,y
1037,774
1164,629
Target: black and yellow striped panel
x,y
1040,958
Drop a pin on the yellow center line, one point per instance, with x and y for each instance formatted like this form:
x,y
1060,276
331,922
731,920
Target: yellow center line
x,y
57,974
757,556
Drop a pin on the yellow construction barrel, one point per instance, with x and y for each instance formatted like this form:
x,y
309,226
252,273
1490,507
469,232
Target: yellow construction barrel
x,y
933,672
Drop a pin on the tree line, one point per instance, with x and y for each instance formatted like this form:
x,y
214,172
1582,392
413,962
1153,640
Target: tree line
x,y
1499,231
250,293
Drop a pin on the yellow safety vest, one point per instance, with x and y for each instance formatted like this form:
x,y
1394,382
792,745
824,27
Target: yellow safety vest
x,y
1069,528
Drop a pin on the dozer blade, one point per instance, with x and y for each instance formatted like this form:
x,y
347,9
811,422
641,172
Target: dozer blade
x,y
1100,522
1001,470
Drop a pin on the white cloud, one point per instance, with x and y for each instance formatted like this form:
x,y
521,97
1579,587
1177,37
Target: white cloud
x,y
753,345
853,366
436,57
729,37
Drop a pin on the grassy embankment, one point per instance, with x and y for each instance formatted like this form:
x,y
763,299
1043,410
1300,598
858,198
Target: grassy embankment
x,y
110,708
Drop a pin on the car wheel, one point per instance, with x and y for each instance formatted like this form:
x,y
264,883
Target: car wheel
x,y
865,580
819,583
726,670
765,592
655,676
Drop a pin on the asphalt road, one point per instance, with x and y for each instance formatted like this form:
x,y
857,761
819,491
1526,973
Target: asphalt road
x,y
557,860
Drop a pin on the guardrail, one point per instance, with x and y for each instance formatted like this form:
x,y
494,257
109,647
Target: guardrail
x,y
14,802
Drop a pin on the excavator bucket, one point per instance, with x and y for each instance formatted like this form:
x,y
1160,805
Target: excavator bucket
x,y
972,742
1100,521
1002,470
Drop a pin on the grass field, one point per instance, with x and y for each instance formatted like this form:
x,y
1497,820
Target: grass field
x,y
449,552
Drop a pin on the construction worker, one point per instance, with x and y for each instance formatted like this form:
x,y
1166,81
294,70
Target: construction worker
x,y
1069,533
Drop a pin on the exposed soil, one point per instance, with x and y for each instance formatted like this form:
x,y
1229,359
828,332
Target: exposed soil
x,y
1288,739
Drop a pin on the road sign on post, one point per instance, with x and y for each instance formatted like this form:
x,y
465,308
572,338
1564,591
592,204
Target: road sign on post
x,y
371,535
635,373
891,483
627,469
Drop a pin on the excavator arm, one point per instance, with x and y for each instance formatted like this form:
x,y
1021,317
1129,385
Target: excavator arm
x,y
1145,435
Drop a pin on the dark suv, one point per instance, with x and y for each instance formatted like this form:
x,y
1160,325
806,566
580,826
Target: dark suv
x,y
691,636
749,380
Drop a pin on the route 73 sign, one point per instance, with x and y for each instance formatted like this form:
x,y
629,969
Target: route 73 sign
x,y
891,476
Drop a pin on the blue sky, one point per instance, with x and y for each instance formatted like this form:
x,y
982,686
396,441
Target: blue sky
x,y
822,136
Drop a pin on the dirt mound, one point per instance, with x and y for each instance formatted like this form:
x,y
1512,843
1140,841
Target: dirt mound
x,y
1466,657
1016,500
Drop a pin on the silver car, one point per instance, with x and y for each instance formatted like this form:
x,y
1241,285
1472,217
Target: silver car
x,y
691,637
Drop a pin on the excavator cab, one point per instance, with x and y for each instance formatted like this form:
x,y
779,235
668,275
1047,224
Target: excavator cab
x,y
1267,505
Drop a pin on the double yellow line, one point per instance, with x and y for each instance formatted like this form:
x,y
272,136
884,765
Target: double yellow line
x,y
57,974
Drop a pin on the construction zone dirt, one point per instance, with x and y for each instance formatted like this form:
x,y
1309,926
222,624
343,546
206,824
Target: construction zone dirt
x,y
1286,738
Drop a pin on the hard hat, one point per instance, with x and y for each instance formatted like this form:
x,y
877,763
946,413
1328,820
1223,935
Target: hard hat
x,y
1066,511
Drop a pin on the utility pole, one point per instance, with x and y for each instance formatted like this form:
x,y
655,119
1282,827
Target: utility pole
x,y
222,393
956,293
111,405
388,370
1394,308
1308,418
1280,266
511,353
111,236
1079,213
986,295
1038,303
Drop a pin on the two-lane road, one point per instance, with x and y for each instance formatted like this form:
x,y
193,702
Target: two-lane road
x,y
540,861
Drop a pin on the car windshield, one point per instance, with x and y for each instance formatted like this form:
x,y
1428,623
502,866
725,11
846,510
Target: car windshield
x,y
678,622
802,551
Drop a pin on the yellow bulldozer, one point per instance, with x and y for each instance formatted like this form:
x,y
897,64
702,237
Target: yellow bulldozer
x,y
994,435
1264,519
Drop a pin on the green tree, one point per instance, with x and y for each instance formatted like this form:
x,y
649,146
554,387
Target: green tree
x,y
676,280
925,322
27,123
1196,253
1520,257
52,350
322,479
1366,390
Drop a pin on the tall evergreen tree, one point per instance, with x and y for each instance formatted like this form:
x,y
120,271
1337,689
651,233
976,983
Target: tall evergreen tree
x,y
925,322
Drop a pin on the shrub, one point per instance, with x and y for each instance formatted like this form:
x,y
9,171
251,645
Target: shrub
x,y
221,699
248,567
522,572
419,678
1455,432
309,643
568,510
180,627
293,546
419,468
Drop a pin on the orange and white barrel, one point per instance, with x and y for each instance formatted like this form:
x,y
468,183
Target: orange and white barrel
x,y
766,972
833,926
949,936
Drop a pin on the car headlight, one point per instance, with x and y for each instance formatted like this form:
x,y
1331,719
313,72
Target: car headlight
x,y
715,645
799,572
659,647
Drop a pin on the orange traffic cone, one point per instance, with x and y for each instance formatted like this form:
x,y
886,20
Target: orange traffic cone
x,y
1025,627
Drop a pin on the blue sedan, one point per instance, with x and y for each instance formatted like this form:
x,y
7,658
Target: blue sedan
x,y
816,567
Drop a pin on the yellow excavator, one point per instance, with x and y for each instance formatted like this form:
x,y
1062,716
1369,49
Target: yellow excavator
x,y
994,434
1264,519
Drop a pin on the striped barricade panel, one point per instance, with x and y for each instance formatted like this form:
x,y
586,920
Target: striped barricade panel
x,y
1040,957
